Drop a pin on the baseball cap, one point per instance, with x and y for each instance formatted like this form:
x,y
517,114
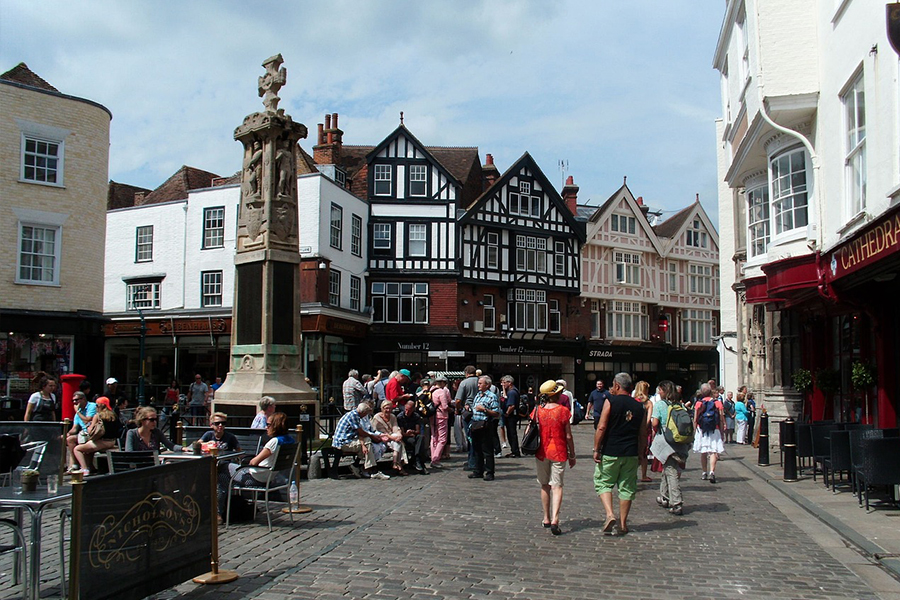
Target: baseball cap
x,y
104,401
405,372
111,381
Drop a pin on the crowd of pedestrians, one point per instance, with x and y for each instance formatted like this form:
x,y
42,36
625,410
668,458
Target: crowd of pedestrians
x,y
638,430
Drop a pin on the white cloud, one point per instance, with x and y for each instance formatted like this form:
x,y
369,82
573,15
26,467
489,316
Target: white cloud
x,y
614,88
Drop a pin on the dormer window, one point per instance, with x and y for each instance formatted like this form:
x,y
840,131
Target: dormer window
x,y
383,178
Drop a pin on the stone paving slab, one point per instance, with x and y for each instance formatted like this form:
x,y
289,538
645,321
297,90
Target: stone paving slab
x,y
446,536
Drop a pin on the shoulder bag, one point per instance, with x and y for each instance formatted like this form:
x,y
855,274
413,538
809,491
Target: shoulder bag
x,y
532,439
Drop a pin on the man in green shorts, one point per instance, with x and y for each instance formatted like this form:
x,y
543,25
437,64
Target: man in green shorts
x,y
620,438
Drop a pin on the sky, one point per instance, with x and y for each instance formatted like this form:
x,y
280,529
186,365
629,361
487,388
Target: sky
x,y
608,88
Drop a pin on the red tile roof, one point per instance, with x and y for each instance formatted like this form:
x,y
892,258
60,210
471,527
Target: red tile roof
x,y
121,195
22,74
178,185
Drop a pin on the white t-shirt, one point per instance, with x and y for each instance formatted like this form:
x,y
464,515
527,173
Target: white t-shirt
x,y
260,472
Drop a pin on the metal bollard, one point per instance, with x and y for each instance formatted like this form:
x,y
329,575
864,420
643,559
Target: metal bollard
x,y
763,436
790,450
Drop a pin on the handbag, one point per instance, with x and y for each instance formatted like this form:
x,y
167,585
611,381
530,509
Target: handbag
x,y
477,425
96,430
531,441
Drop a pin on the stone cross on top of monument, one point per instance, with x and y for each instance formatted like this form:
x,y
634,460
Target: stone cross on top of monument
x,y
271,82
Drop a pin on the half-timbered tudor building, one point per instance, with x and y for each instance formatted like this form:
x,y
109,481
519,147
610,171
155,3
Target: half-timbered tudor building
x,y
651,292
519,279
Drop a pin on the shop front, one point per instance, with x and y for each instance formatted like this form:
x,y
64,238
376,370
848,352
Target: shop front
x,y
34,342
331,346
687,368
175,348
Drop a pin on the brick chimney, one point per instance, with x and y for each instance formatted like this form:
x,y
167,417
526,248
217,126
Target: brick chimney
x,y
327,150
489,172
644,208
570,195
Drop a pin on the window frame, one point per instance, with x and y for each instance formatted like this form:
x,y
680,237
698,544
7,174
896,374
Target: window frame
x,y
627,320
55,256
395,302
207,298
58,170
336,227
492,253
696,326
700,279
531,254
387,242
355,234
421,230
209,233
490,313
759,221
853,101
554,321
382,174
559,259
423,180
696,236
155,299
625,270
143,246
529,310
334,288
616,224
355,292
778,212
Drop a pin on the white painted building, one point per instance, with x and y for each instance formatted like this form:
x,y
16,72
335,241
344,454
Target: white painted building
x,y
809,165
174,262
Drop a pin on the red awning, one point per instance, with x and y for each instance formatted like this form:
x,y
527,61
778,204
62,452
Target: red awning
x,y
756,291
791,277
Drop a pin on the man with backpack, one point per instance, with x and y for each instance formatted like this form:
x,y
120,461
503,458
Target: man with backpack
x,y
709,424
675,425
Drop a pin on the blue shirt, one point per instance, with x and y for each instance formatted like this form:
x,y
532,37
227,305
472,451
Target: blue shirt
x,y
512,399
90,409
740,411
486,399
596,399
347,426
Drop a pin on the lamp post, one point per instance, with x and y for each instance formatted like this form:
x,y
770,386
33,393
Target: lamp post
x,y
143,331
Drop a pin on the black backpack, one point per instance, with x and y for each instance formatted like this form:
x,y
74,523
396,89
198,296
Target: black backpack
x,y
709,416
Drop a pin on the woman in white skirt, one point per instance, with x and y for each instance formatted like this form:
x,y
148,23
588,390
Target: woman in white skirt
x,y
709,425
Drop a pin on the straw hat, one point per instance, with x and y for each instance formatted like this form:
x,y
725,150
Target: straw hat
x,y
551,388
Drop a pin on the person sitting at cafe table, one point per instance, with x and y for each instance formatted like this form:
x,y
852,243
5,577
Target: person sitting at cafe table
x,y
225,440
146,436
84,412
112,427
257,472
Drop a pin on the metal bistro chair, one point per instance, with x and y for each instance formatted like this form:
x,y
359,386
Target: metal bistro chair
x,y
285,460
19,548
880,464
804,443
120,462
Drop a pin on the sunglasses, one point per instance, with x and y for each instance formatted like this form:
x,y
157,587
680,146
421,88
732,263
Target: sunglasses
x,y
219,424
153,419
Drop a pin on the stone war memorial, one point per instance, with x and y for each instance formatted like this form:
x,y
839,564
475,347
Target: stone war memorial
x,y
265,341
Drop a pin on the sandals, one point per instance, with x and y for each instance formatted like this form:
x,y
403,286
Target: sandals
x,y
400,470
609,526
554,529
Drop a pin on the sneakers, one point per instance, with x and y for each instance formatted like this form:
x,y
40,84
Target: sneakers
x,y
676,510
498,455
705,476
365,475
380,475
504,445
488,476
712,477
662,502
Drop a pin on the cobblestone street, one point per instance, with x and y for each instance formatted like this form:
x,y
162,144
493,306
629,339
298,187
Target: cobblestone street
x,y
445,536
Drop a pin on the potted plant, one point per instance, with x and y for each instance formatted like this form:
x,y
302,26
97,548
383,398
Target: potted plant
x,y
802,380
862,375
30,480
828,380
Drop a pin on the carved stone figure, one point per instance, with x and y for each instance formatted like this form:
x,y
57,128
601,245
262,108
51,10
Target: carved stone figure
x,y
271,82
253,170
284,160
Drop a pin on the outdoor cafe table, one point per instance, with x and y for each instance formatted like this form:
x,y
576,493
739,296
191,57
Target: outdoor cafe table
x,y
35,503
176,456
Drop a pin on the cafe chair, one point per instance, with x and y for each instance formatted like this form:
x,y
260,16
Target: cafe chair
x,y
285,460
119,461
857,439
880,464
839,459
821,445
18,548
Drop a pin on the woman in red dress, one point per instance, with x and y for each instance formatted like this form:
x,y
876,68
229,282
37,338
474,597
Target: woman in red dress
x,y
557,448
